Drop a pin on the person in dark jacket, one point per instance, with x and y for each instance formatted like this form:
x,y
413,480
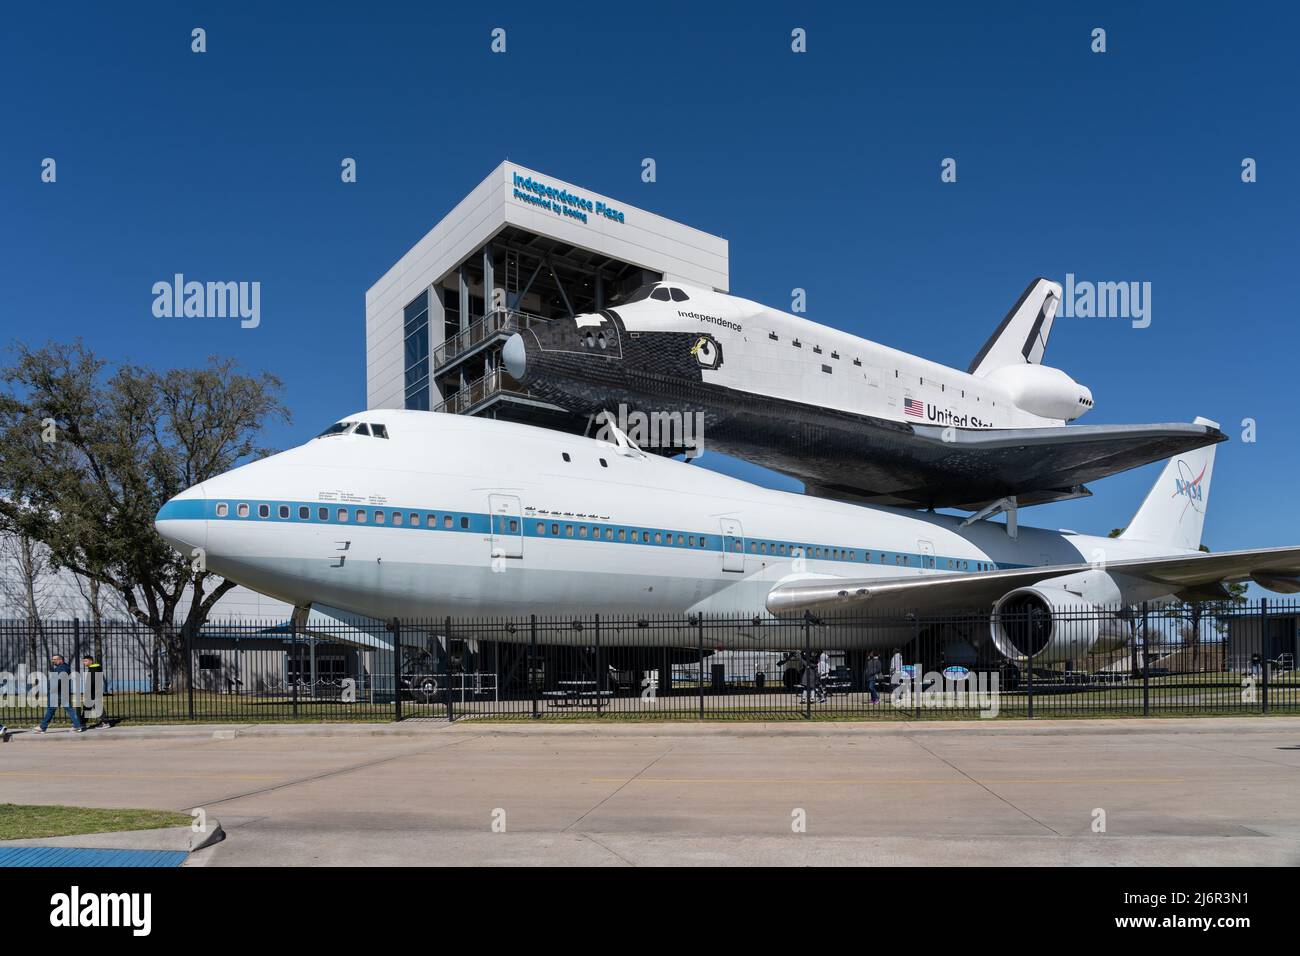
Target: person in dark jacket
x,y
874,668
60,694
92,689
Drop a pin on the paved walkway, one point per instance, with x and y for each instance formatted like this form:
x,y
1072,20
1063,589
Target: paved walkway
x,y
1014,793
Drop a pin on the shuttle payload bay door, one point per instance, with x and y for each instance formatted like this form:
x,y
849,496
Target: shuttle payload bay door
x,y
733,546
507,526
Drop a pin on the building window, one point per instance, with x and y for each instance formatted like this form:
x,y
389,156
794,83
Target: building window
x,y
209,662
416,329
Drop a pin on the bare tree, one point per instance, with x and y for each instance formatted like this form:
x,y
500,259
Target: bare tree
x,y
25,572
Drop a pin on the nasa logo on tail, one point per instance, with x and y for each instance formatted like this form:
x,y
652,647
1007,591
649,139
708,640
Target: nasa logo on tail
x,y
1190,487
707,351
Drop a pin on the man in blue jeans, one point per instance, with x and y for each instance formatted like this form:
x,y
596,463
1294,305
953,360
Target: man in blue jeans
x,y
60,692
873,676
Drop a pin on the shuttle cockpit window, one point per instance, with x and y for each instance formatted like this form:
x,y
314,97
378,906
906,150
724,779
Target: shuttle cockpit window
x,y
636,295
379,431
678,295
661,294
363,429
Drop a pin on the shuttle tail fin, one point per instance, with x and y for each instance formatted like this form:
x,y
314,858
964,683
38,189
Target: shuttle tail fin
x,y
1022,336
1174,510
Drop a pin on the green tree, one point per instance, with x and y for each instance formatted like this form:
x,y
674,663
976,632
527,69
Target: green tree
x,y
89,453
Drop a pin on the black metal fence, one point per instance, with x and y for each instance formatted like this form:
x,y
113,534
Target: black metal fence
x,y
1231,658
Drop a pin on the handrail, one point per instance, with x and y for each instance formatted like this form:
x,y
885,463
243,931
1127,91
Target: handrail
x,y
495,381
480,330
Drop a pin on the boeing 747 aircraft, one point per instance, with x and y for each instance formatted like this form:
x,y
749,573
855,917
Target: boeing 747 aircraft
x,y
416,514
848,417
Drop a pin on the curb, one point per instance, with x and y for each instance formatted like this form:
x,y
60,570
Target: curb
x,y
686,728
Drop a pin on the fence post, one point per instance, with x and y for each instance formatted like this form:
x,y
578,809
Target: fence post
x,y
446,669
396,628
600,674
918,679
297,663
189,669
80,693
1029,674
1146,663
807,656
1263,654
528,665
699,631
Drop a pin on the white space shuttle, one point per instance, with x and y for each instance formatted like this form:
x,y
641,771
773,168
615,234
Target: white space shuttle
x,y
850,418
417,514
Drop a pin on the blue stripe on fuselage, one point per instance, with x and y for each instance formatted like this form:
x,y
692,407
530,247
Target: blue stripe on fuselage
x,y
198,509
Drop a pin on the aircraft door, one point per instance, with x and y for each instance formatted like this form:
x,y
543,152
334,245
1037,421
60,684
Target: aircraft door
x,y
506,515
927,556
733,546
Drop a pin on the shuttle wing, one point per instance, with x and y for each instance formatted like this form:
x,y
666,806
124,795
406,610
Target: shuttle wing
x,y
1275,568
969,468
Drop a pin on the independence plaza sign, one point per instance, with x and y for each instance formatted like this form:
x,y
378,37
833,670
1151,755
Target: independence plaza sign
x,y
561,201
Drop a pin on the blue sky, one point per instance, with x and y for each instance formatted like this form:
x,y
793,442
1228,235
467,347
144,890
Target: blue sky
x,y
822,170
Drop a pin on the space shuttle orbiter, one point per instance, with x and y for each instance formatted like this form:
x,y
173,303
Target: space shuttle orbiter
x,y
847,416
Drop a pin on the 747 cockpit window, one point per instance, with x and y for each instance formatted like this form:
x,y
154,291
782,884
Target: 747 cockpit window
x,y
338,428
356,428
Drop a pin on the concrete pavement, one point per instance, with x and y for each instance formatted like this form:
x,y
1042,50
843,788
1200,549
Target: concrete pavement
x,y
1008,793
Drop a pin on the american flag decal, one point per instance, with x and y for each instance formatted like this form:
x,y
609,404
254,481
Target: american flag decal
x,y
914,408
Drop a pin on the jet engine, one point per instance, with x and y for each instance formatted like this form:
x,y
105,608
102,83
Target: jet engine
x,y
1047,624
1043,390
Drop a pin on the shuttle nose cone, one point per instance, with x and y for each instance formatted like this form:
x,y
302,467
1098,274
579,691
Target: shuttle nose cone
x,y
515,356
183,521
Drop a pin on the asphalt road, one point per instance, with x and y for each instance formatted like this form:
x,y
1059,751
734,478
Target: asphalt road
x,y
1186,792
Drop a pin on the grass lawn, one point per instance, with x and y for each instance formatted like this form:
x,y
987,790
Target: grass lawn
x,y
26,822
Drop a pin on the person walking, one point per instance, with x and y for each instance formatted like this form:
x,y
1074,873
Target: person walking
x,y
92,689
59,693
808,679
823,675
873,675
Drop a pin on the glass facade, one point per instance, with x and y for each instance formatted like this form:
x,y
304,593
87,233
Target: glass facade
x,y
416,317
